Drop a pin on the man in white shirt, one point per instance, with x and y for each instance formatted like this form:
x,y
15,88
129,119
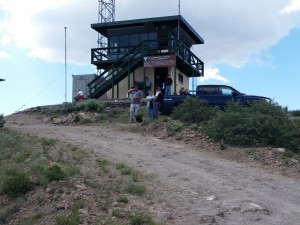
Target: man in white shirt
x,y
135,106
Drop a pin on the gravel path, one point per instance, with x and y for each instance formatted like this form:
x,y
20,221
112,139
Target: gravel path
x,y
197,187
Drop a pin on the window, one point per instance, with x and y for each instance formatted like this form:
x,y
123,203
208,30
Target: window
x,y
113,43
209,90
180,78
226,91
124,42
134,39
144,36
152,36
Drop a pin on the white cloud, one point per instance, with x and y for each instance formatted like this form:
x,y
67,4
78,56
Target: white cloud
x,y
213,74
234,31
293,7
39,27
3,54
5,40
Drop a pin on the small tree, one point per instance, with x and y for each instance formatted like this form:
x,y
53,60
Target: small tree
x,y
16,183
2,121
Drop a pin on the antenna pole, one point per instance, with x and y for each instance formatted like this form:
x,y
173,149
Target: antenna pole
x,y
178,19
65,64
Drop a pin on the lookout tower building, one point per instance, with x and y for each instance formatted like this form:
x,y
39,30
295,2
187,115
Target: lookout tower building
x,y
143,49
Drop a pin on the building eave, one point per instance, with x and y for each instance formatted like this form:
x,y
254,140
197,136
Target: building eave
x,y
102,28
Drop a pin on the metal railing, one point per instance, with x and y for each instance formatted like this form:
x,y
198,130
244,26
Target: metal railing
x,y
116,72
125,58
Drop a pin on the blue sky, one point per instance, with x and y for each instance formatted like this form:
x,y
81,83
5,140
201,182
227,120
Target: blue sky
x,y
252,45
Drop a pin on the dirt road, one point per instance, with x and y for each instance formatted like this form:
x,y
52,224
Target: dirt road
x,y
196,186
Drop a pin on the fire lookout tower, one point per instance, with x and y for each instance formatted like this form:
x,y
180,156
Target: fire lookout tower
x,y
140,49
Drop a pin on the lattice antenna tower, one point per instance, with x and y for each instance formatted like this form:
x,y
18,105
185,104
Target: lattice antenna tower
x,y
106,13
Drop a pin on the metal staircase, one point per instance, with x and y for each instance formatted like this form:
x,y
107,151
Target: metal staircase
x,y
116,72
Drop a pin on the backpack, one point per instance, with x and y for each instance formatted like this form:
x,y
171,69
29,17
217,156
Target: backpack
x,y
151,104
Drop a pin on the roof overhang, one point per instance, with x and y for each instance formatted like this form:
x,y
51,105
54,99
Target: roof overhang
x,y
149,24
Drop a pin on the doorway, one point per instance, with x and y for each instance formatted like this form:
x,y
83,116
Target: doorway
x,y
160,75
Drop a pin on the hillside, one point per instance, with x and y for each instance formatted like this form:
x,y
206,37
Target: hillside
x,y
188,179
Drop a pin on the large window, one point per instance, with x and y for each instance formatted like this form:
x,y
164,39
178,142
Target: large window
x,y
114,43
122,43
130,40
143,36
133,39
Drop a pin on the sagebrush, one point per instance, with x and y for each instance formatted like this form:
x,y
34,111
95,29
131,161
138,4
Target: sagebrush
x,y
255,124
259,124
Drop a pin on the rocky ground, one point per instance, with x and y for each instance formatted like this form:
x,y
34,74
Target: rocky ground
x,y
194,181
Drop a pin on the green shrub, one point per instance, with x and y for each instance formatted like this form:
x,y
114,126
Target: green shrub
x,y
89,105
93,105
125,170
138,189
193,111
2,121
102,162
68,108
120,165
16,183
135,176
85,121
288,154
72,219
141,220
259,124
175,126
48,142
295,113
123,199
72,170
55,173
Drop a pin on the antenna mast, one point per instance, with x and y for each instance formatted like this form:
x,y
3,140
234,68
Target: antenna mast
x,y
106,13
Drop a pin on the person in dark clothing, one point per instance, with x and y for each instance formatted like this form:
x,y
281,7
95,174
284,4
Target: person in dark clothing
x,y
168,84
157,103
159,83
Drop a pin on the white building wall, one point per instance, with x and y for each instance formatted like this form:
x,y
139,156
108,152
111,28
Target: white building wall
x,y
149,72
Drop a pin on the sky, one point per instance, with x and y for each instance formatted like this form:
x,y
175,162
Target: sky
x,y
251,45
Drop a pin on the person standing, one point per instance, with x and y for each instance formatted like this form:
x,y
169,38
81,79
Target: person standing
x,y
148,85
157,102
150,98
80,96
135,103
168,84
159,82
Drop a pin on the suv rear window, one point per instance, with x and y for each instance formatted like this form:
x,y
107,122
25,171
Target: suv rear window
x,y
208,91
